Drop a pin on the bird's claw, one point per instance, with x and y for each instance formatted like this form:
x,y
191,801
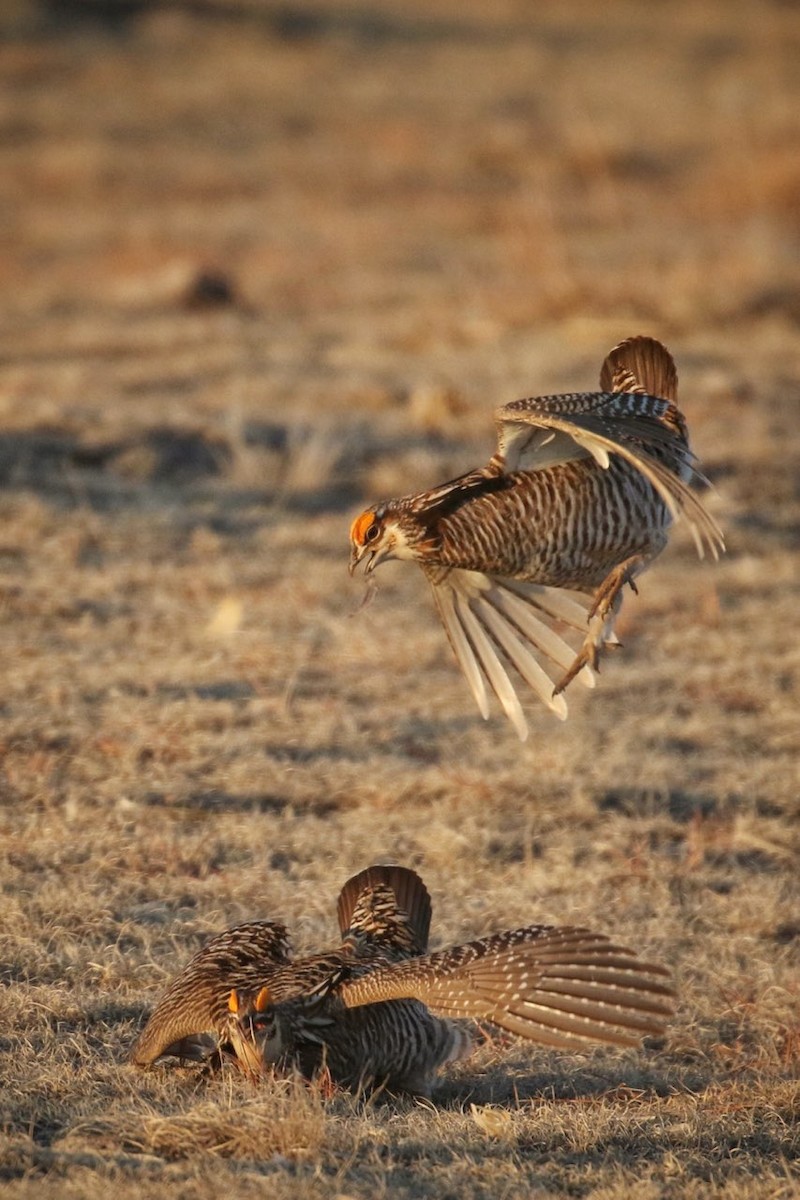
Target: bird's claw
x,y
587,656
604,606
606,595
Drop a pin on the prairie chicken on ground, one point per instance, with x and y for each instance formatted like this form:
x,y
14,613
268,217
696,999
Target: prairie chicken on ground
x,y
578,498
380,1010
384,915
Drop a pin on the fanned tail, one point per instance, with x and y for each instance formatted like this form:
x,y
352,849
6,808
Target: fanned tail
x,y
413,901
640,364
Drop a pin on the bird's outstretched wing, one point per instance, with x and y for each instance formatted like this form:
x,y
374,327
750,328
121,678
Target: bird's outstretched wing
x,y
492,621
196,1002
630,418
563,987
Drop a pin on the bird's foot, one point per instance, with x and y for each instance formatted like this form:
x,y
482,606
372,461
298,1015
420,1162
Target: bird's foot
x,y
324,1081
587,656
604,608
607,597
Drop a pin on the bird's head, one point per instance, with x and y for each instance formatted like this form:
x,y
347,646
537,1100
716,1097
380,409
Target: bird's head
x,y
261,1035
376,535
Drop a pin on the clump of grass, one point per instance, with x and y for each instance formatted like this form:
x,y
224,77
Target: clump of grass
x,y
286,1119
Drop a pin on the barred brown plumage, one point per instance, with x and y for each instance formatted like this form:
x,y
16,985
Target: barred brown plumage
x,y
194,1004
385,909
576,502
373,923
560,986
373,1011
400,1043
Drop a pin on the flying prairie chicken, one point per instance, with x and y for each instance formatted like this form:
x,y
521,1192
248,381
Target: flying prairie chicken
x,y
379,1009
576,501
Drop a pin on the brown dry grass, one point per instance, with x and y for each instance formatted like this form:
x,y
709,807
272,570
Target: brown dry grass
x,y
418,211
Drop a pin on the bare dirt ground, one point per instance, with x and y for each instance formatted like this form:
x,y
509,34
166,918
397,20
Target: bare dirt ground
x,y
263,264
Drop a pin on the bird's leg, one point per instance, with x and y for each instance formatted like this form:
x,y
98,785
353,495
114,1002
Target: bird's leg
x,y
606,603
325,1082
491,1036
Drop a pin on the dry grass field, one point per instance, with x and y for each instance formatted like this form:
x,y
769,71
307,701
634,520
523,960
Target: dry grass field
x,y
260,264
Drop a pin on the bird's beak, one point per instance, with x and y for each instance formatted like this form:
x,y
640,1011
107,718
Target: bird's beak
x,y
356,555
376,557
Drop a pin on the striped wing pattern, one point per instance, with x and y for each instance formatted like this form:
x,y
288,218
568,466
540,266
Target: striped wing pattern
x,y
540,432
196,1002
634,416
560,987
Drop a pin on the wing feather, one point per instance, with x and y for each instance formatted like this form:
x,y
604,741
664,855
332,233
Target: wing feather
x,y
602,436
493,668
196,1001
486,616
445,602
518,653
562,987
511,604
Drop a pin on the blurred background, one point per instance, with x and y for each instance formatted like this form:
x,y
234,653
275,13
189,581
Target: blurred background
x,y
231,205
264,262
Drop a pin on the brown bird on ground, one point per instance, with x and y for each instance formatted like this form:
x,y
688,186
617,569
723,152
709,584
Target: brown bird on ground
x,y
380,1010
576,502
384,915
